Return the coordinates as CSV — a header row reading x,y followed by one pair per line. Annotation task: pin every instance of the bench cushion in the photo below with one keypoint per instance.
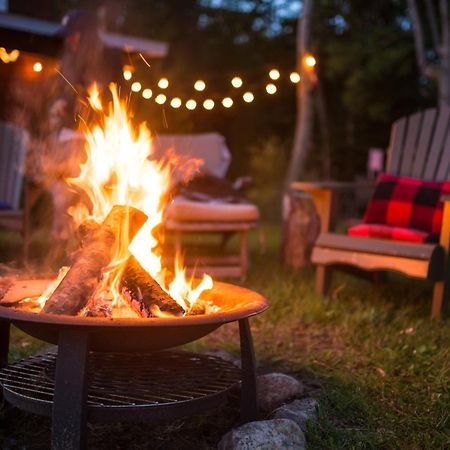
x,y
408,203
389,232
184,210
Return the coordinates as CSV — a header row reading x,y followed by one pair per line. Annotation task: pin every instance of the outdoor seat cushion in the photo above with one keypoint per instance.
x,y
389,232
402,208
183,209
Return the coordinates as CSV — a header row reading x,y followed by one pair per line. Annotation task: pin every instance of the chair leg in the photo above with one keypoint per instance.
x,y
323,279
441,299
244,254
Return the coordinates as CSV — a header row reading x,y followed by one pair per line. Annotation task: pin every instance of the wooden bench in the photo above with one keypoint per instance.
x,y
419,147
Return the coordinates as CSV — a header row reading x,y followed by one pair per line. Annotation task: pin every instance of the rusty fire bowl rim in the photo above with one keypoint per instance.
x,y
245,303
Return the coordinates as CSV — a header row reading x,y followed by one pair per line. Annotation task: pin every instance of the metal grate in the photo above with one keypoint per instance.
x,y
120,380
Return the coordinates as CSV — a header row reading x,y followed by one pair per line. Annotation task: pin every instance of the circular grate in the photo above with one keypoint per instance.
x,y
121,380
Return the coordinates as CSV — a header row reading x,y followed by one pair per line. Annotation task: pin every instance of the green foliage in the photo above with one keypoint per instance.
x,y
268,163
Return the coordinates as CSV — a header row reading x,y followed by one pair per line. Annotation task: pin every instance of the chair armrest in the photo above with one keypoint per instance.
x,y
324,195
444,239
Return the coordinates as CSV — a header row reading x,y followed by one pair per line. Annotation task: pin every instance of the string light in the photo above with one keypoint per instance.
x,y
147,93
175,103
160,99
274,74
248,97
136,86
310,61
294,77
199,85
37,67
236,82
271,88
163,83
208,104
191,104
227,102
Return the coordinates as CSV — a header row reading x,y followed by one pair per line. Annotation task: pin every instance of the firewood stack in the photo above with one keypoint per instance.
x,y
99,242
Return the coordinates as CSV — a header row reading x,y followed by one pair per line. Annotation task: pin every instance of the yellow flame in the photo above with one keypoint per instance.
x,y
94,97
119,171
52,286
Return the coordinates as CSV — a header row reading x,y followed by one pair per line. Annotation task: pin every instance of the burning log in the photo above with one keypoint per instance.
x,y
96,253
145,295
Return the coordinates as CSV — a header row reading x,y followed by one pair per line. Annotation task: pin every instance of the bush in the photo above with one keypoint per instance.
x,y
268,165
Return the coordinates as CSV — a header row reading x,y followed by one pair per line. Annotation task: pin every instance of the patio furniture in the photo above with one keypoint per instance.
x,y
13,149
205,215
419,148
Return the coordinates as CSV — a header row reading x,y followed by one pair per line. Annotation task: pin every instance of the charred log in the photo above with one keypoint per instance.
x,y
98,248
145,294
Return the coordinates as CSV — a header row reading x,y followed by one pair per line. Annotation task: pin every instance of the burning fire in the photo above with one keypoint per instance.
x,y
119,170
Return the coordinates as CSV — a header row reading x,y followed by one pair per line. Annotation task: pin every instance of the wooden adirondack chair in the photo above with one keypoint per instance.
x,y
13,148
419,147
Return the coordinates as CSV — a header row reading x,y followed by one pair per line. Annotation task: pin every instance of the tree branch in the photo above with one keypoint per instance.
x,y
433,24
425,67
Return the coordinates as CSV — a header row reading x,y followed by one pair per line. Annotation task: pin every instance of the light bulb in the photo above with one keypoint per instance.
x,y
227,102
163,83
191,104
37,67
160,99
294,77
175,102
271,88
274,74
208,104
236,82
136,86
147,93
248,97
199,85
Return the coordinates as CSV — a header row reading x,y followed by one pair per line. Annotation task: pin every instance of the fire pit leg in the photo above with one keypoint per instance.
x,y
4,342
249,399
69,403
4,347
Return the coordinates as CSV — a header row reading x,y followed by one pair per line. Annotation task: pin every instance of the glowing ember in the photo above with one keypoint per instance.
x,y
119,170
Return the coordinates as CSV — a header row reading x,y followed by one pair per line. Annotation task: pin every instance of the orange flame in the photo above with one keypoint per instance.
x,y
94,97
119,171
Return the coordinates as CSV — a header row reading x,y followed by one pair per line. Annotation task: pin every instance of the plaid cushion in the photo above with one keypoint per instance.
x,y
408,203
388,232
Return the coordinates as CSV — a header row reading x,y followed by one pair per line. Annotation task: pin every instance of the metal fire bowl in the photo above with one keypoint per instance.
x,y
143,334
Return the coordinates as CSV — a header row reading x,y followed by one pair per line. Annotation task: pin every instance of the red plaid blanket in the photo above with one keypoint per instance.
x,y
405,209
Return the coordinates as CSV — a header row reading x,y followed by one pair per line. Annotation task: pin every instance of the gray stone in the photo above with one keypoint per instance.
x,y
300,411
265,435
275,388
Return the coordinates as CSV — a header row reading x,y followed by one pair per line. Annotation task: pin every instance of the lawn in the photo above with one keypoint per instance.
x,y
378,366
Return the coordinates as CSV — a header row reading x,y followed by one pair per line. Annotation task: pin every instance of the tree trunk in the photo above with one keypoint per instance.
x,y
304,120
301,226
439,72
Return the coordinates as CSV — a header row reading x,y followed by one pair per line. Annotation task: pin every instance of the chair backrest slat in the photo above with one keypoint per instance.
x,y
443,173
396,145
13,148
423,145
420,145
437,145
410,145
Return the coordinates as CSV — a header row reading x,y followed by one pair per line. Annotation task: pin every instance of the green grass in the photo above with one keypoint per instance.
x,y
378,366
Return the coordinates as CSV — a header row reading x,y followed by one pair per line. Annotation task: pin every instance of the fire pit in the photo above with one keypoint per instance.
x,y
115,310
92,378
